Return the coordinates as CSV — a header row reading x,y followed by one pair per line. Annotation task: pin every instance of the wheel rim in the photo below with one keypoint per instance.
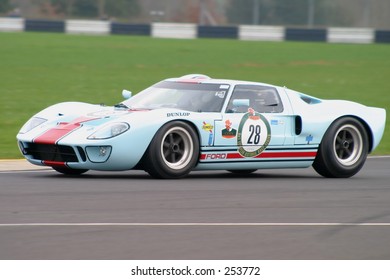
x,y
348,145
177,148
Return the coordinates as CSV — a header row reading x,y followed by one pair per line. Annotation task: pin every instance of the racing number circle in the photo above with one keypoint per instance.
x,y
254,134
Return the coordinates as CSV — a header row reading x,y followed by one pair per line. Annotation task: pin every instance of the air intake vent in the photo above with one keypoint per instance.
x,y
58,153
298,125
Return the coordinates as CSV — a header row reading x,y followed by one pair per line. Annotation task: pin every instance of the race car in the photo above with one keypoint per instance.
x,y
195,122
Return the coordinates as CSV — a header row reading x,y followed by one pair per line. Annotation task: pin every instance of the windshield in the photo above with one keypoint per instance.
x,y
185,96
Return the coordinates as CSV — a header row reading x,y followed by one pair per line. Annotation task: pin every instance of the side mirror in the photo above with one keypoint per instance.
x,y
240,102
126,94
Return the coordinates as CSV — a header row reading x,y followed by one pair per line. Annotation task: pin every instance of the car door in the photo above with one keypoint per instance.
x,y
254,120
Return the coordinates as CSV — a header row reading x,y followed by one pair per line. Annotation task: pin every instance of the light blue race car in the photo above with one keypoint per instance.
x,y
198,123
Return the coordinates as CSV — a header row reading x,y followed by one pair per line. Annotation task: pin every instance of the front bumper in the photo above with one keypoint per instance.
x,y
95,157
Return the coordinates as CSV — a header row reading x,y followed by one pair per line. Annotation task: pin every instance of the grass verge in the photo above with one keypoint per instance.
x,y
41,69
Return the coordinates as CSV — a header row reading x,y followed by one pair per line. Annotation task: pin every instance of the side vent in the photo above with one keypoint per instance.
x,y
310,100
298,125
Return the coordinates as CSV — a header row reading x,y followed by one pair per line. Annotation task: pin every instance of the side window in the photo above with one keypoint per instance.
x,y
262,99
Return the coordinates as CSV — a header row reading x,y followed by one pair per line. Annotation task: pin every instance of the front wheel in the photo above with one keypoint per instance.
x,y
173,152
343,150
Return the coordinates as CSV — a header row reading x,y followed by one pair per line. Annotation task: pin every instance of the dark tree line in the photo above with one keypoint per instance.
x,y
283,12
4,6
96,8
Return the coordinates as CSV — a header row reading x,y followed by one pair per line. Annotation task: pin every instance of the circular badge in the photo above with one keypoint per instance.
x,y
254,134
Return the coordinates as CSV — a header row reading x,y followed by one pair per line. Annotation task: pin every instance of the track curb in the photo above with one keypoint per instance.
x,y
19,165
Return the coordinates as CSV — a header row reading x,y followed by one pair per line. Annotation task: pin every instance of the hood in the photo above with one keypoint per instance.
x,y
65,118
78,112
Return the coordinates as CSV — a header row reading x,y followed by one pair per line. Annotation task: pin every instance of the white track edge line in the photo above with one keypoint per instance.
x,y
191,224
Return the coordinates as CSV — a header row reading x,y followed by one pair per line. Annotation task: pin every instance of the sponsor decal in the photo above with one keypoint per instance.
x,y
228,131
214,156
309,138
277,122
252,114
220,94
254,134
178,114
208,127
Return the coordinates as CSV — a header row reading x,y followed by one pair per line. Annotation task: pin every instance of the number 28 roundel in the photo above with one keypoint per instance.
x,y
254,134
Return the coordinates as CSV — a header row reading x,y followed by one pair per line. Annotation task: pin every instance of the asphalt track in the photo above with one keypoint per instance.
x,y
271,215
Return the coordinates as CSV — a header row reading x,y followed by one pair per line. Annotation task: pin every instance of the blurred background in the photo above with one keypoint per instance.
x,y
41,66
301,13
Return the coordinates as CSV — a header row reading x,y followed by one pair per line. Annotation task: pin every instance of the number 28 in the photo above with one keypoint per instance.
x,y
254,137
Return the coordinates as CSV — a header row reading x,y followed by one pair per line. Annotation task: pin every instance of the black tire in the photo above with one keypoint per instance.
x,y
173,152
69,171
243,171
343,150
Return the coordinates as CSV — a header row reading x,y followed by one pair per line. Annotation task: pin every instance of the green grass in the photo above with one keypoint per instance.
x,y
40,69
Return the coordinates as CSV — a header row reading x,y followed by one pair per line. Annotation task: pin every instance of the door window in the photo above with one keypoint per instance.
x,y
262,99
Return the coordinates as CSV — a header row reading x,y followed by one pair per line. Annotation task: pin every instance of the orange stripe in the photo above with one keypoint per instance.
x,y
52,136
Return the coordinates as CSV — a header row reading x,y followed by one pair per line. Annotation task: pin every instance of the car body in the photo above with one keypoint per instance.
x,y
198,123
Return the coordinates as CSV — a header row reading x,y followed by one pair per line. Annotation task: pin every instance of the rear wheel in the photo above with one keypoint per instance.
x,y
173,152
343,150
69,171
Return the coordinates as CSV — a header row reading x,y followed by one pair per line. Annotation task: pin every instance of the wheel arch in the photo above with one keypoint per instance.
x,y
196,129
369,133
140,164
190,123
365,125
328,162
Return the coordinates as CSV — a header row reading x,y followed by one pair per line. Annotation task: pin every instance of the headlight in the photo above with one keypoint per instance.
x,y
109,131
32,123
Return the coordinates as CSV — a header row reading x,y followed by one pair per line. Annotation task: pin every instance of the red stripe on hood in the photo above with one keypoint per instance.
x,y
52,136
